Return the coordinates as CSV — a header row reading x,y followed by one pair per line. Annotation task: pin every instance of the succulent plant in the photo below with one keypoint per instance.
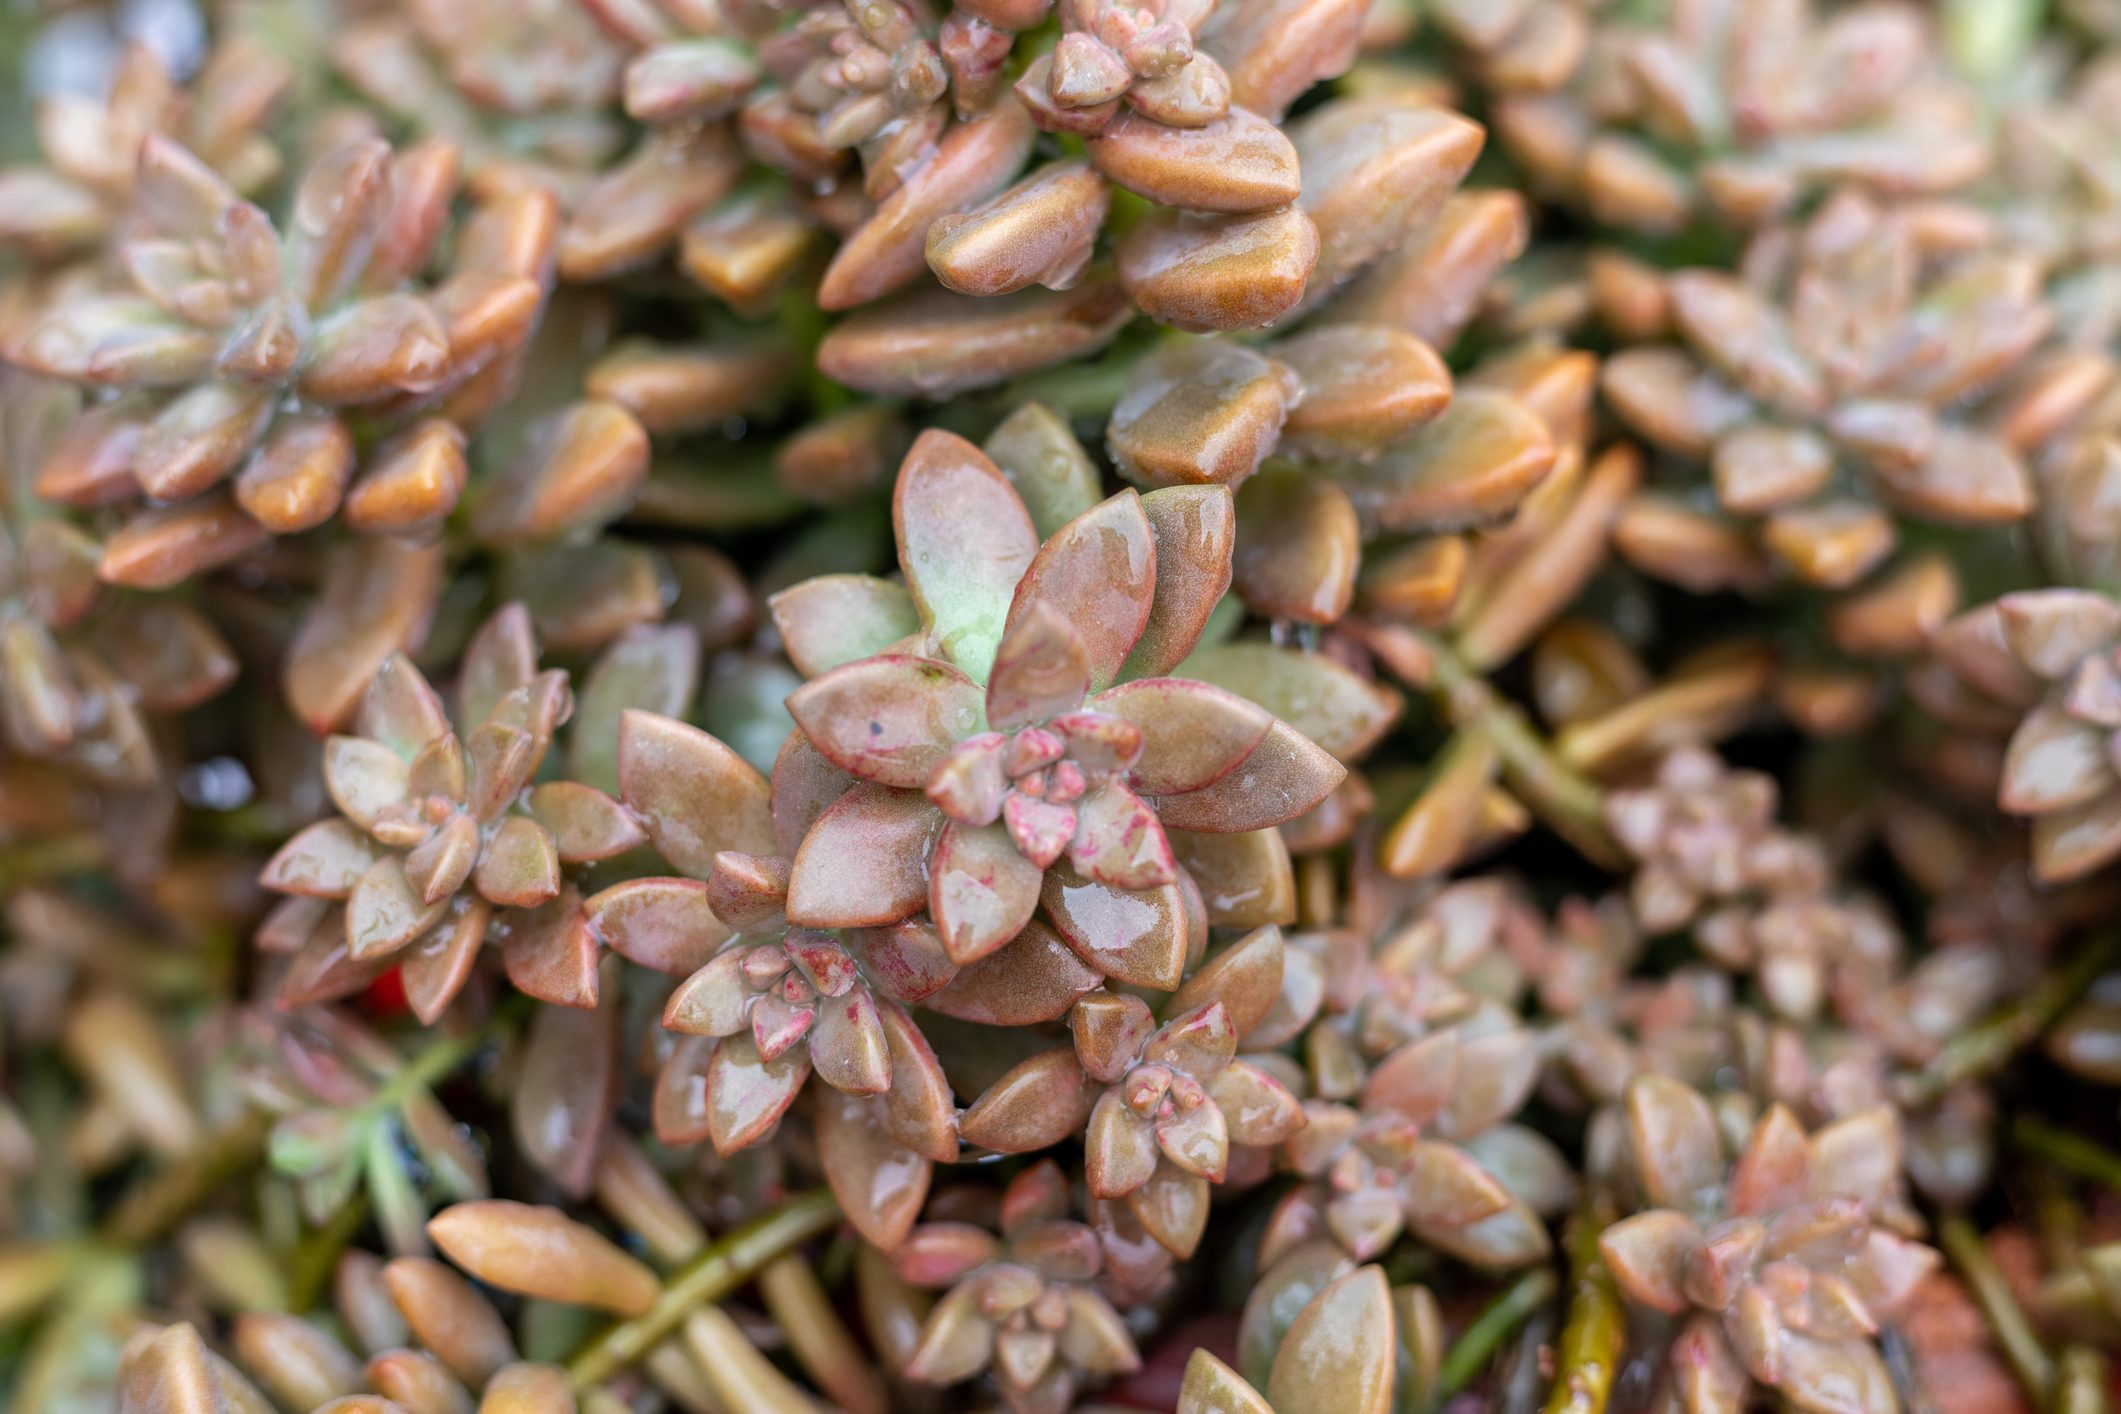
x,y
1771,108
82,671
2040,654
1024,1303
1826,360
1013,756
84,195
781,1002
444,841
1784,1263
241,354
1177,1099
1205,741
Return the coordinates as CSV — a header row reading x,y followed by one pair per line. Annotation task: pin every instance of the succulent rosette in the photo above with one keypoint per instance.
x,y
1415,1083
2045,655
1022,1303
1756,896
446,840
778,1003
1027,750
242,358
83,194
1178,1098
1768,109
1827,384
1783,1260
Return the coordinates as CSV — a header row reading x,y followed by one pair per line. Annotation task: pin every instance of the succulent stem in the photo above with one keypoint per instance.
x,y
1594,1338
2073,1152
444,1054
2082,1388
1476,1348
819,1338
164,1198
40,861
716,1272
316,1256
2007,1321
1983,1050
1568,801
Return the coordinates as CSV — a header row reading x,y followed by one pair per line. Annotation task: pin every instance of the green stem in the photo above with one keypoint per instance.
x,y
1595,1336
1983,1050
2082,1386
316,1256
2007,1321
43,860
1475,1349
1570,802
165,1198
2071,1152
721,1269
443,1055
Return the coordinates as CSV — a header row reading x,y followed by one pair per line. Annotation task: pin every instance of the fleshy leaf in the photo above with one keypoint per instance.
x,y
1098,573
1137,938
1032,978
746,1096
661,923
1341,712
964,540
1193,734
865,862
1339,1353
694,795
1041,669
890,719
880,1184
1037,1104
981,890
836,619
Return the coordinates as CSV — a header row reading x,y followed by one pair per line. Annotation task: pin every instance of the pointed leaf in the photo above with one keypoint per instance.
x,y
1341,712
1287,776
964,540
981,890
1211,1387
324,861
879,1183
1037,1104
1193,734
1339,1353
922,1111
746,1096
664,924
694,795
1195,528
865,862
1041,669
585,823
1139,938
890,719
1246,880
847,1044
1119,1148
836,619
383,913
1032,978
1098,573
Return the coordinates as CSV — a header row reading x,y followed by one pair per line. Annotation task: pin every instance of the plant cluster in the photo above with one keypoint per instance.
x,y
1023,706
